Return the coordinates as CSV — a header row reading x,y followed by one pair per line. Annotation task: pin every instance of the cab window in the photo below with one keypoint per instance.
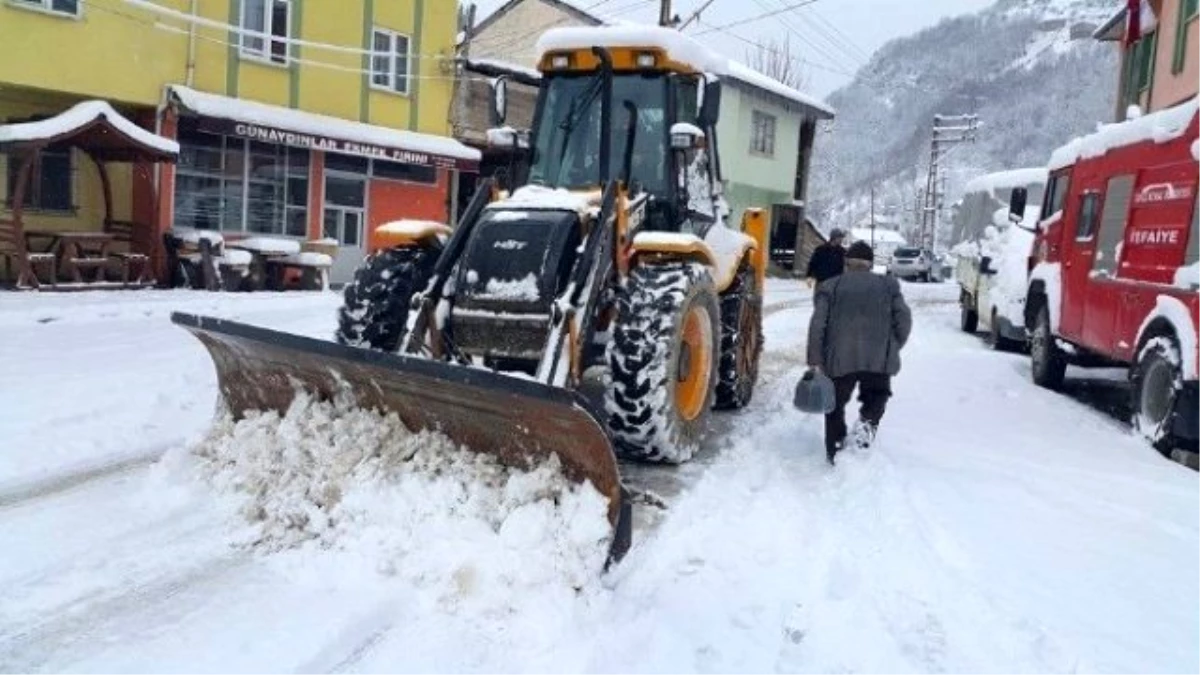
x,y
1089,215
1056,195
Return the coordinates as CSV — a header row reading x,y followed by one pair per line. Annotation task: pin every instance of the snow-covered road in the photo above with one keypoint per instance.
x,y
994,527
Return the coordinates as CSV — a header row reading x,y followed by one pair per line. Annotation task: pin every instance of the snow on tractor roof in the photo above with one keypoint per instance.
x,y
1006,180
679,46
1161,126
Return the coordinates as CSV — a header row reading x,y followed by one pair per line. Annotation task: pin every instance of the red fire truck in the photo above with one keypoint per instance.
x,y
1114,273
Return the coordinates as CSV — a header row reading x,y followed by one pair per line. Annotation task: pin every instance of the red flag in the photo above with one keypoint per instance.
x,y
1133,14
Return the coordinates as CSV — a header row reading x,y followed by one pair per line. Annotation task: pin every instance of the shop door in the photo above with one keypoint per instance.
x,y
344,220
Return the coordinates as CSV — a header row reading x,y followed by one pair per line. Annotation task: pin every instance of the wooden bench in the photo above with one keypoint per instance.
x,y
124,231
14,247
314,269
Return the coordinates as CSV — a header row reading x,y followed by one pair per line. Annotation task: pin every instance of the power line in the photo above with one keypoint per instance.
x,y
225,44
827,37
760,17
792,29
772,50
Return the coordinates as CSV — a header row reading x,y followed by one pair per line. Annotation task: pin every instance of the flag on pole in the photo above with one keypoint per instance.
x,y
1133,16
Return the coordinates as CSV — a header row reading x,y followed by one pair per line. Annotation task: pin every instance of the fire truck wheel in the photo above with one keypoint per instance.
x,y
1156,376
1047,361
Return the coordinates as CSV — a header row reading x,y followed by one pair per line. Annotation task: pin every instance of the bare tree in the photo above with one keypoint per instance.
x,y
774,58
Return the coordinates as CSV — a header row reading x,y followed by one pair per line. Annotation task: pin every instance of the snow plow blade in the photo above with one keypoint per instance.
x,y
520,422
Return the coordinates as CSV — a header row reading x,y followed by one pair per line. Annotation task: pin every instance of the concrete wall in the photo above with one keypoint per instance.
x,y
513,36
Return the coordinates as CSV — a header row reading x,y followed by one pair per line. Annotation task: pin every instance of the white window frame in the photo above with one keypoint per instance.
x,y
760,122
47,7
267,35
393,76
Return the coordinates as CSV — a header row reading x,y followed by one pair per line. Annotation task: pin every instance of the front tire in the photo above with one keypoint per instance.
x,y
663,362
1047,362
1156,377
374,314
741,341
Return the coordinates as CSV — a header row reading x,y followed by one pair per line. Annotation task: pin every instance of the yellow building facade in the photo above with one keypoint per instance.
x,y
364,85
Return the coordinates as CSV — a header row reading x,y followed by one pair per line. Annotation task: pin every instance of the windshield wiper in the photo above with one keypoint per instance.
x,y
576,112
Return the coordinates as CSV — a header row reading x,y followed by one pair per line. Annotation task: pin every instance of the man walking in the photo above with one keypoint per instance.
x,y
828,259
859,324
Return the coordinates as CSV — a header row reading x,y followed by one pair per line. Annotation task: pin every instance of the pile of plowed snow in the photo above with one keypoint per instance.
x,y
343,478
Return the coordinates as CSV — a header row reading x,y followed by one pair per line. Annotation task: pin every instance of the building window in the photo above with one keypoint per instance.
x,y
232,184
66,7
50,187
1187,13
1139,67
389,61
265,26
762,133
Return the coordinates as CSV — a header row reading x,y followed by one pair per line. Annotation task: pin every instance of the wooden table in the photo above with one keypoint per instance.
x,y
76,250
266,270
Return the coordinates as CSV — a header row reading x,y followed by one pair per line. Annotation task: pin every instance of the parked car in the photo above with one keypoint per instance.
x,y
915,263
1114,275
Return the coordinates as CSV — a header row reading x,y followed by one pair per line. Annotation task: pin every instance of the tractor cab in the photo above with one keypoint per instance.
x,y
631,114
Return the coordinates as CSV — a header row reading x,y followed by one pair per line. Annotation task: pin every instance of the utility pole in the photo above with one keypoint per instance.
x,y
947,130
664,13
872,217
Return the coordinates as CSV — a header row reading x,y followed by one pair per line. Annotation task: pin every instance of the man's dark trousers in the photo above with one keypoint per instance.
x,y
874,389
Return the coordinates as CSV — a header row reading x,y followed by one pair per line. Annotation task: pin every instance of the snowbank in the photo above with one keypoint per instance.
x,y
420,508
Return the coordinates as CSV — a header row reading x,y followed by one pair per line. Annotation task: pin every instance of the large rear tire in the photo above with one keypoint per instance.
x,y
663,362
1047,361
968,320
375,309
1156,378
741,341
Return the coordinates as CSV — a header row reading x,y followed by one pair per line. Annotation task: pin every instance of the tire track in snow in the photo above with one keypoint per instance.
x,y
54,485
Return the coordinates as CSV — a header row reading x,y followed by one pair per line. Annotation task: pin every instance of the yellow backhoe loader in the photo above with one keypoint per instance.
x,y
615,254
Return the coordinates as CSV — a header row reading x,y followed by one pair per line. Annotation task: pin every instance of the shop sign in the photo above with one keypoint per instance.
x,y
266,134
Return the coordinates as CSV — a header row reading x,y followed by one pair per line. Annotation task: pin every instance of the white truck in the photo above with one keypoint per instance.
x,y
993,256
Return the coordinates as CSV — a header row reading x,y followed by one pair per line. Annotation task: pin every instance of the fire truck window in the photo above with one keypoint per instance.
x,y
1089,209
1056,195
1112,222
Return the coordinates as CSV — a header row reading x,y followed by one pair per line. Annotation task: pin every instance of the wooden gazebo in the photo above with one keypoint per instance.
x,y
105,136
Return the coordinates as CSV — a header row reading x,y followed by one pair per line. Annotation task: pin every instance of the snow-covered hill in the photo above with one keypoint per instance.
x,y
1029,68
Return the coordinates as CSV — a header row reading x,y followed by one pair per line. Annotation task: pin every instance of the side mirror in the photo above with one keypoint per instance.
x,y
499,111
1016,204
708,101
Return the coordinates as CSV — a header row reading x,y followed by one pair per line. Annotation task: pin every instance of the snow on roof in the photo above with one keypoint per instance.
x,y
78,116
1161,126
681,48
747,75
504,67
214,105
1006,180
882,236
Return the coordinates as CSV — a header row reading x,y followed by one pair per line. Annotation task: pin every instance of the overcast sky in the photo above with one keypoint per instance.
x,y
833,37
